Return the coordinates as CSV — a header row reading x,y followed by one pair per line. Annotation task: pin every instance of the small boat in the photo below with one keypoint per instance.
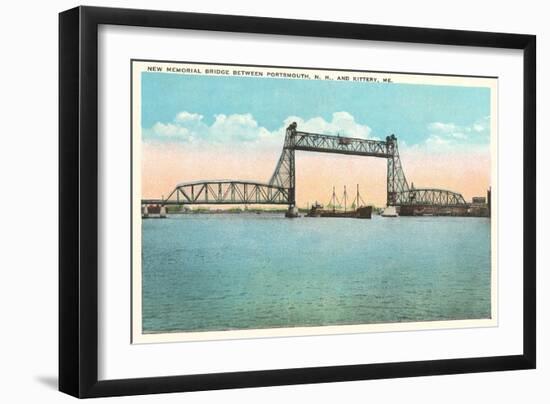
x,y
390,211
315,210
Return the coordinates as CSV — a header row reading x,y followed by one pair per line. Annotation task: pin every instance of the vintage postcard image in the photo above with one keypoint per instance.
x,y
286,201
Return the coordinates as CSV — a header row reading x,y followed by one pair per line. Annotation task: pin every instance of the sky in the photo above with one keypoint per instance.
x,y
220,127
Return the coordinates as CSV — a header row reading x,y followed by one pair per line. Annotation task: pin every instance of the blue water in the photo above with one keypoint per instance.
x,y
248,271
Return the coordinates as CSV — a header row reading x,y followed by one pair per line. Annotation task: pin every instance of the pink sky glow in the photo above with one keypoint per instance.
x,y
166,164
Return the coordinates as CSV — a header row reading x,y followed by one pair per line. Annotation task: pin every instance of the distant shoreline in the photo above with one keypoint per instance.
x,y
228,211
235,211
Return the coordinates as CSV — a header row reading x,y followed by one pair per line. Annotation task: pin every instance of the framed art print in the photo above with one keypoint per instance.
x,y
224,264
249,201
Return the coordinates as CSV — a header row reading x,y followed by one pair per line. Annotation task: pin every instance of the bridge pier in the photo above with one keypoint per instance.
x,y
292,212
153,211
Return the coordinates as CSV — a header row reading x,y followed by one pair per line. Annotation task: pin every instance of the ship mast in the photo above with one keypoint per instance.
x,y
345,199
333,198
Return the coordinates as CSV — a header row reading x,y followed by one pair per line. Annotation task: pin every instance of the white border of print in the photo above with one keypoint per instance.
x,y
118,358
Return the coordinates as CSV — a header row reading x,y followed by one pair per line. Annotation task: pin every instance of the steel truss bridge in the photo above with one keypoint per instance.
x,y
281,187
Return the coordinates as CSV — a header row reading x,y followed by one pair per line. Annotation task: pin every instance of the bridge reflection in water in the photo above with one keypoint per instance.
x,y
281,188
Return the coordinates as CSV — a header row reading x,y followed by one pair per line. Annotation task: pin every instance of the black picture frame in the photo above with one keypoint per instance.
x,y
78,200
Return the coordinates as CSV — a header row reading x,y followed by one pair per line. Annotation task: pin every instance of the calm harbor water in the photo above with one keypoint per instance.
x,y
248,271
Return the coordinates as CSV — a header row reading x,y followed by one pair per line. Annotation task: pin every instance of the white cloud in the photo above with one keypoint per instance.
x,y
450,130
447,133
243,128
478,127
170,130
185,116
237,127
342,123
442,127
435,140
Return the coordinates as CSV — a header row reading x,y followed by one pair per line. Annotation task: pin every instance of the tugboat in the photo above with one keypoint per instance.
x,y
315,210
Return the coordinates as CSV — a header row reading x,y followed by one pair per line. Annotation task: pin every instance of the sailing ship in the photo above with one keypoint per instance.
x,y
359,209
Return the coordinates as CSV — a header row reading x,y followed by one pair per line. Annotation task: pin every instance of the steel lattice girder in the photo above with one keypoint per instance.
x,y
430,197
339,144
221,192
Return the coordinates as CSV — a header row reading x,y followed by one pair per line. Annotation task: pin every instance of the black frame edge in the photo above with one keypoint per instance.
x,y
78,203
281,377
69,78
88,202
530,201
307,28
78,166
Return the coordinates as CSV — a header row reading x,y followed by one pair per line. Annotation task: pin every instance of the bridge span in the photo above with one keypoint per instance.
x,y
281,187
223,192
